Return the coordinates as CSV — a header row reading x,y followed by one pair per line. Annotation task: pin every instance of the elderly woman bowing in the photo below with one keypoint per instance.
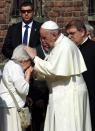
x,y
16,75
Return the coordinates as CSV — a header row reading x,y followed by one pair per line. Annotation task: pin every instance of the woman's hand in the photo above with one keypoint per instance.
x,y
28,73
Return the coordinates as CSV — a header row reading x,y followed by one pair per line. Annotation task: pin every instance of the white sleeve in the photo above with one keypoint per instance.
x,y
64,60
22,86
17,76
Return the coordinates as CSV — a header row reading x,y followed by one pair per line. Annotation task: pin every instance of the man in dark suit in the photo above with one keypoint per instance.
x,y
15,32
15,37
76,31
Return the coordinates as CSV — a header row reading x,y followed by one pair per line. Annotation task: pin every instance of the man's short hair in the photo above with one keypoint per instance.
x,y
78,24
27,3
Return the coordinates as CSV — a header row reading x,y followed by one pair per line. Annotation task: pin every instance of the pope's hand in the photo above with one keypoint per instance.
x,y
31,51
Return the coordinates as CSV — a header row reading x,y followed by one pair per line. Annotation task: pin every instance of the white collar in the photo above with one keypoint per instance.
x,y
30,24
84,40
59,39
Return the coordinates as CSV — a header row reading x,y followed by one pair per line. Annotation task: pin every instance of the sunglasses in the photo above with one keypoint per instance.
x,y
24,11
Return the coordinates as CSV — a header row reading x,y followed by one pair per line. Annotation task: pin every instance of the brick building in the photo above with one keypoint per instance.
x,y
61,11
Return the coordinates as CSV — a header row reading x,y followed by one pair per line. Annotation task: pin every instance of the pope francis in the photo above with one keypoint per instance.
x,y
68,106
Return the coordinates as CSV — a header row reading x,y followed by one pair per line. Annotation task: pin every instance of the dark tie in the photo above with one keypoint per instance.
x,y
25,35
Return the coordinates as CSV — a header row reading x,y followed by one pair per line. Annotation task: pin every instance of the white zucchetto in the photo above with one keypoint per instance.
x,y
50,25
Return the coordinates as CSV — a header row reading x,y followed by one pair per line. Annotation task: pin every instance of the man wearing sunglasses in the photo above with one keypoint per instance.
x,y
15,37
15,32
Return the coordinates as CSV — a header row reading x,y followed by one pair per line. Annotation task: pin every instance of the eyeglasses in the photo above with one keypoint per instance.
x,y
71,33
24,11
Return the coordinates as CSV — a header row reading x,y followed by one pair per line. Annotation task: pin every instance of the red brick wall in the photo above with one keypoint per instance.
x,y
61,11
4,19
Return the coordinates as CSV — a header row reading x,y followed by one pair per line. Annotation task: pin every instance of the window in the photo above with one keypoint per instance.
x,y
15,10
91,7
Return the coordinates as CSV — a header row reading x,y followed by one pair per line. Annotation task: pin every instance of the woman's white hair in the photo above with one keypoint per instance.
x,y
20,54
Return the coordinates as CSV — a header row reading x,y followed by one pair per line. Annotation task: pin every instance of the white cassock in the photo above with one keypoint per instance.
x,y
68,107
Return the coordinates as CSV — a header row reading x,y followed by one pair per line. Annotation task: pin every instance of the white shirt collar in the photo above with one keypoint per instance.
x,y
30,24
84,40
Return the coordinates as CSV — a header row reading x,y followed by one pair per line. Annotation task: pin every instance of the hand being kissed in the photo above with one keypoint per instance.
x,y
28,73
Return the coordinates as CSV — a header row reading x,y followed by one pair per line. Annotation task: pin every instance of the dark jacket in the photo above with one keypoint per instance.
x,y
14,38
88,51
